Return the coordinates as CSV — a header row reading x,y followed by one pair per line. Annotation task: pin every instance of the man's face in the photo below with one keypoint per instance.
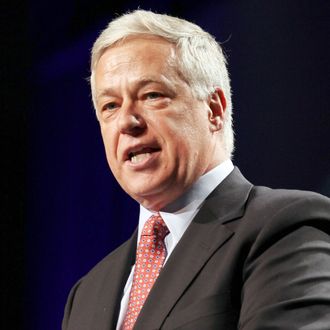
x,y
159,139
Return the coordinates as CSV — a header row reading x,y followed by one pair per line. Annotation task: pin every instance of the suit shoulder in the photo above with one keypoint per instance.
x,y
102,268
274,213
285,195
109,260
87,288
271,213
87,296
271,201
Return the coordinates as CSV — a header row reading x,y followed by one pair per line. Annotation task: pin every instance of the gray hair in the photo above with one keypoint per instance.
x,y
201,60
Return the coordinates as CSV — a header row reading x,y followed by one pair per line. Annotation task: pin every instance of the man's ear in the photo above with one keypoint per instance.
x,y
217,106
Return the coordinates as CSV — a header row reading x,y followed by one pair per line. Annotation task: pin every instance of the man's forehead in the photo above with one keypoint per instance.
x,y
140,47
137,62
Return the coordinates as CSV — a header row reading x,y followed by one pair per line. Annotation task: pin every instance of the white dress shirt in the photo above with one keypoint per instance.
x,y
177,217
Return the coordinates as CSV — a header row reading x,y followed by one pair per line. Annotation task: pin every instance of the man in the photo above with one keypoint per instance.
x,y
211,250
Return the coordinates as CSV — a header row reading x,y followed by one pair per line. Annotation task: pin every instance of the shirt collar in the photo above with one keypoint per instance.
x,y
180,213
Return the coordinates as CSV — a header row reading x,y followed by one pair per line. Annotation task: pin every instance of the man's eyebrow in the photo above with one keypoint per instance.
x,y
144,81
139,83
105,92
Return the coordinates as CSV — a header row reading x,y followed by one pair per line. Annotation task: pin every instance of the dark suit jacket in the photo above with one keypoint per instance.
x,y
253,258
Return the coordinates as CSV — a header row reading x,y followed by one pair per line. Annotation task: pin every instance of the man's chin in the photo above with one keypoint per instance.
x,y
151,199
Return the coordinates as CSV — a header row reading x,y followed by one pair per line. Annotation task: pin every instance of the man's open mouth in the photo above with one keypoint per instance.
x,y
140,155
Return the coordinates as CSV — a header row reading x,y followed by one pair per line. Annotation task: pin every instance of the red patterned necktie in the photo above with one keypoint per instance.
x,y
150,256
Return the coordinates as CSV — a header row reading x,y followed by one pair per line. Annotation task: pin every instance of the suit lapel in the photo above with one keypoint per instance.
x,y
107,310
204,236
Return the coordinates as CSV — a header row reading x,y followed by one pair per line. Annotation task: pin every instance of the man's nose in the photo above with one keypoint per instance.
x,y
131,120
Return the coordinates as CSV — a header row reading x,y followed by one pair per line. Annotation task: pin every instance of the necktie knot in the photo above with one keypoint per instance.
x,y
155,226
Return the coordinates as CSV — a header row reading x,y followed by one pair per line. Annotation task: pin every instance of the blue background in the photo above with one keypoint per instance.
x,y
62,209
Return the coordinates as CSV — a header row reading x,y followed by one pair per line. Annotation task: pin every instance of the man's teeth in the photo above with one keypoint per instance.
x,y
140,157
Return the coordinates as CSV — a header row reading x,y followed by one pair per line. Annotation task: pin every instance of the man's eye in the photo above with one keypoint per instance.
x,y
110,106
153,95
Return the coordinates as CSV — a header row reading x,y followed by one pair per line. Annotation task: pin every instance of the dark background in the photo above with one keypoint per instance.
x,y
61,210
